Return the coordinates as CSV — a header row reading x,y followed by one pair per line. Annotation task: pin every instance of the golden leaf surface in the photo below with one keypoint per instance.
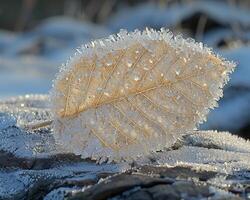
x,y
134,93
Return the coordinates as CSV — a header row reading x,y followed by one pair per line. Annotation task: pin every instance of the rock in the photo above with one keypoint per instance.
x,y
119,184
132,186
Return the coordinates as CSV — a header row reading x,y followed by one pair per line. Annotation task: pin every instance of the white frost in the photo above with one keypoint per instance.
x,y
6,121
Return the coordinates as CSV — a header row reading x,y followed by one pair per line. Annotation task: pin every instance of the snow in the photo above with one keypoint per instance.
x,y
31,59
213,37
232,113
241,57
25,74
10,186
69,28
154,16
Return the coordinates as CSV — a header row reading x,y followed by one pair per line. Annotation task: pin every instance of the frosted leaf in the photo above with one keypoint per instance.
x,y
134,93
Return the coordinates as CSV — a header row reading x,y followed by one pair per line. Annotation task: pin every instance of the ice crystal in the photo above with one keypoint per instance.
x,y
6,121
133,93
218,140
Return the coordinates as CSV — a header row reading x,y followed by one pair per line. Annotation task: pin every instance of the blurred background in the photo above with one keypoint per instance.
x,y
36,36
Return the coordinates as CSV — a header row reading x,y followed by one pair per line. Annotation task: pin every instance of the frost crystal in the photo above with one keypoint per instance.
x,y
6,121
133,93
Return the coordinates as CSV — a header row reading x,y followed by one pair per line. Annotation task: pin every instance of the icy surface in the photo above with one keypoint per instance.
x,y
6,121
27,109
26,144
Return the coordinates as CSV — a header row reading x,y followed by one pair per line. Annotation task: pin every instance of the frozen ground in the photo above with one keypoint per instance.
x,y
214,164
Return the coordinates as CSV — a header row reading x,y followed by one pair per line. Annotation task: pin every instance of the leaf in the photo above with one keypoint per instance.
x,y
134,93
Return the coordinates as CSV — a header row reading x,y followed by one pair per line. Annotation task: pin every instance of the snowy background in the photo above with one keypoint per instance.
x,y
35,42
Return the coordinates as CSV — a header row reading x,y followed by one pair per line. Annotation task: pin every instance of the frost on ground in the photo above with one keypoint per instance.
x,y
6,121
214,164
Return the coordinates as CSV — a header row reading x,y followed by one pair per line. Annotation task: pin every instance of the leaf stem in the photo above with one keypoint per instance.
x,y
39,125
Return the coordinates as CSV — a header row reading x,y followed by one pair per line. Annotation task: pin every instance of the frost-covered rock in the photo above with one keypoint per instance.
x,y
25,144
34,184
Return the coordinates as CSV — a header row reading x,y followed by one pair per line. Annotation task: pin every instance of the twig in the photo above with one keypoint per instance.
x,y
201,27
39,125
